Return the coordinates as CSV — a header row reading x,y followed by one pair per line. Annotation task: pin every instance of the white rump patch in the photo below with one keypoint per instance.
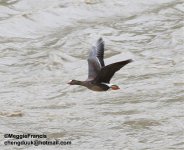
x,y
108,84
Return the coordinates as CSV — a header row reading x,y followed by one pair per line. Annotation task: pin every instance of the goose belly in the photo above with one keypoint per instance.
x,y
99,88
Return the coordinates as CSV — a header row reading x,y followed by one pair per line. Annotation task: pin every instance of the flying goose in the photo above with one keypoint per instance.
x,y
99,75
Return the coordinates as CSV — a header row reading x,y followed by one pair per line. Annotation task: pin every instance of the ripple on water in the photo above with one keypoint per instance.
x,y
12,114
141,123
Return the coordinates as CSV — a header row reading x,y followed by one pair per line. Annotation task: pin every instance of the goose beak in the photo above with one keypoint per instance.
x,y
69,82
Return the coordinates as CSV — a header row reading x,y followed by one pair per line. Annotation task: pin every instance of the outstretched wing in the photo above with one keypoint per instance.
x,y
107,72
100,51
95,59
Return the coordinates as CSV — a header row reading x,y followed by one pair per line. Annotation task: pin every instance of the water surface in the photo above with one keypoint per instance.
x,y
44,44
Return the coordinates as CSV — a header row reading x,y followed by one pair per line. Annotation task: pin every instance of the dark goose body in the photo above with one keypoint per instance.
x,y
99,75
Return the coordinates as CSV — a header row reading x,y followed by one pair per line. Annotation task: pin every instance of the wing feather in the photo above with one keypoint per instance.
x,y
107,72
95,59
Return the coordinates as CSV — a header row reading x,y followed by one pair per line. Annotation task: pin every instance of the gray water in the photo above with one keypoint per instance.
x,y
44,44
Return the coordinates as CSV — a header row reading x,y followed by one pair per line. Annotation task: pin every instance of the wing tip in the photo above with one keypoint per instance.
x,y
130,60
100,40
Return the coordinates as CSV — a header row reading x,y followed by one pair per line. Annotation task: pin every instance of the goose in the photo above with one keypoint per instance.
x,y
99,75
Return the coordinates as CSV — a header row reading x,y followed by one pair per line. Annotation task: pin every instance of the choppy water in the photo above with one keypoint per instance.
x,y
45,43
